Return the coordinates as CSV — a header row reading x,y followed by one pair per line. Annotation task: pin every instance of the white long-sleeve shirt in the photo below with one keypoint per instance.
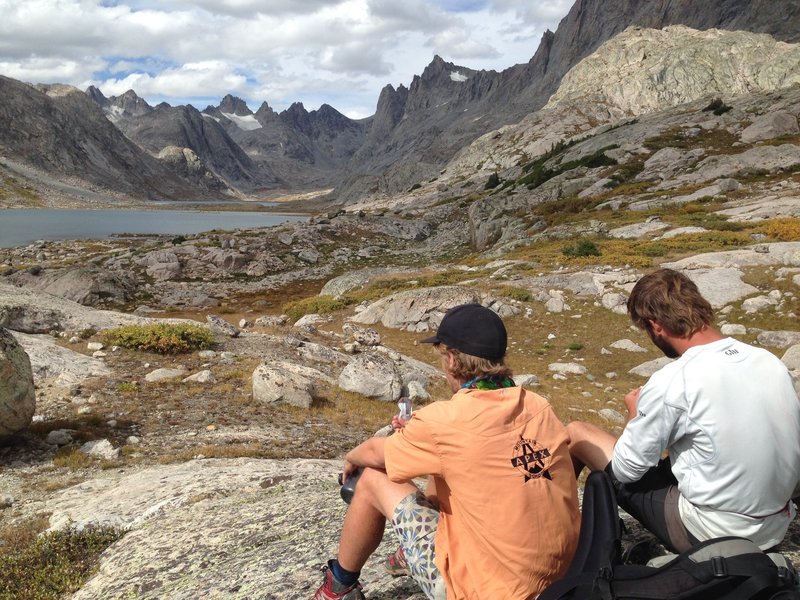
x,y
728,414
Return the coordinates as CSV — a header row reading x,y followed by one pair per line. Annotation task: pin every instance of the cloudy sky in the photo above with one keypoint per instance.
x,y
339,52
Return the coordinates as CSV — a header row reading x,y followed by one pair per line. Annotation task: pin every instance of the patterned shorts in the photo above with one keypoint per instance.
x,y
415,519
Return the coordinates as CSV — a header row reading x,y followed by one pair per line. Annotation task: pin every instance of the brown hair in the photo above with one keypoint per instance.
x,y
468,367
671,299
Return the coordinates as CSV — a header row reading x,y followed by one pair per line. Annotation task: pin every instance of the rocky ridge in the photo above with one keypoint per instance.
x,y
260,422
179,516
59,130
649,69
416,130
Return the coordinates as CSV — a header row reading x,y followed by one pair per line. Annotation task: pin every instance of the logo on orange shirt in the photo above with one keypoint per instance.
x,y
532,459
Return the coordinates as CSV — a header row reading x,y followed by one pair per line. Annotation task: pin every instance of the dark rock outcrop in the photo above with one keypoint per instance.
x,y
86,286
449,106
127,105
186,127
60,130
413,134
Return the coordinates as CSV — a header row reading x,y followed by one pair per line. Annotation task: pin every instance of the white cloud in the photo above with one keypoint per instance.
x,y
244,8
353,58
535,13
412,15
277,51
51,70
459,45
201,79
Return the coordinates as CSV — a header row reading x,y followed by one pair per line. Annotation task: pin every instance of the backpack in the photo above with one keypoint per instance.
x,y
727,568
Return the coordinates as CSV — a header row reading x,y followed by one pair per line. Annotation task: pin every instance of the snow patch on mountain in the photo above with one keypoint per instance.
x,y
245,122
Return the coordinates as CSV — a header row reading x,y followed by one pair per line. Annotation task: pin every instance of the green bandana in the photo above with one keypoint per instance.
x,y
488,382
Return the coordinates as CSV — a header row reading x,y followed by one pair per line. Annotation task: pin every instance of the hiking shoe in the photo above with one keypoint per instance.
x,y
396,564
331,589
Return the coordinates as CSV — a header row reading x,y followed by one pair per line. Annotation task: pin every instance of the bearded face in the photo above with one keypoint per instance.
x,y
662,343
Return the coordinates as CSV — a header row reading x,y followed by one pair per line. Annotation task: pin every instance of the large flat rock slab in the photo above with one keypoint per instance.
x,y
48,359
234,529
779,253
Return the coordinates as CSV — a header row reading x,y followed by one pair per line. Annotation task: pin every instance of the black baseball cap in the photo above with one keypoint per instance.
x,y
472,329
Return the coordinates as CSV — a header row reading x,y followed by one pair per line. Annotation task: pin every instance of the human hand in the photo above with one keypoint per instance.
x,y
347,470
398,423
631,402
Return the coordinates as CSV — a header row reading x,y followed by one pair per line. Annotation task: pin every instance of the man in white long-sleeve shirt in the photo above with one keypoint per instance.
x,y
726,413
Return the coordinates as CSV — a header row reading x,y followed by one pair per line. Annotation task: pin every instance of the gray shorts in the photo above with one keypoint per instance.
x,y
653,501
415,519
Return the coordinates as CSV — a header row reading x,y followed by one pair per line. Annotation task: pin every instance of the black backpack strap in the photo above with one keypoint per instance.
x,y
574,586
728,568
599,545
599,540
735,560
601,589
581,586
761,573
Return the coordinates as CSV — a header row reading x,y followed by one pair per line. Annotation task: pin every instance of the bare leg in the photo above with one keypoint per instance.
x,y
374,501
589,446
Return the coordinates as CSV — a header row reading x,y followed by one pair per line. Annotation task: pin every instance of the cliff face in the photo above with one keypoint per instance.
x,y
417,129
60,130
642,70
229,527
591,22
487,100
186,127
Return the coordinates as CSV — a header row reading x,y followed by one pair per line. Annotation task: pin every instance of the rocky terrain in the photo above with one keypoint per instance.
x,y
221,464
141,152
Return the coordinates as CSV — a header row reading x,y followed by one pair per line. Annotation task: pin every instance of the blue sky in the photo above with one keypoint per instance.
x,y
339,52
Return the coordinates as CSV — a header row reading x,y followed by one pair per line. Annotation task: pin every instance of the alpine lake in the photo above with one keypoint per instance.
x,y
20,227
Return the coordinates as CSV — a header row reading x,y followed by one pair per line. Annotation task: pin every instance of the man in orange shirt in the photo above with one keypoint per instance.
x,y
503,521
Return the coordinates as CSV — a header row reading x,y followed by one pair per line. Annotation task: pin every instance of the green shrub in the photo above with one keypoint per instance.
x,y
163,338
537,173
575,346
314,305
626,172
54,564
515,293
654,249
71,458
537,176
786,229
127,387
723,225
85,334
598,159
582,248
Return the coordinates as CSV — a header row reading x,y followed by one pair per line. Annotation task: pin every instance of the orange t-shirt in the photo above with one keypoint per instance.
x,y
507,495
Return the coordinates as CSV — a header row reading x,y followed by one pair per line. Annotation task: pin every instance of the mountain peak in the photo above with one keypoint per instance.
x,y
440,71
265,112
96,96
296,107
436,67
234,106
